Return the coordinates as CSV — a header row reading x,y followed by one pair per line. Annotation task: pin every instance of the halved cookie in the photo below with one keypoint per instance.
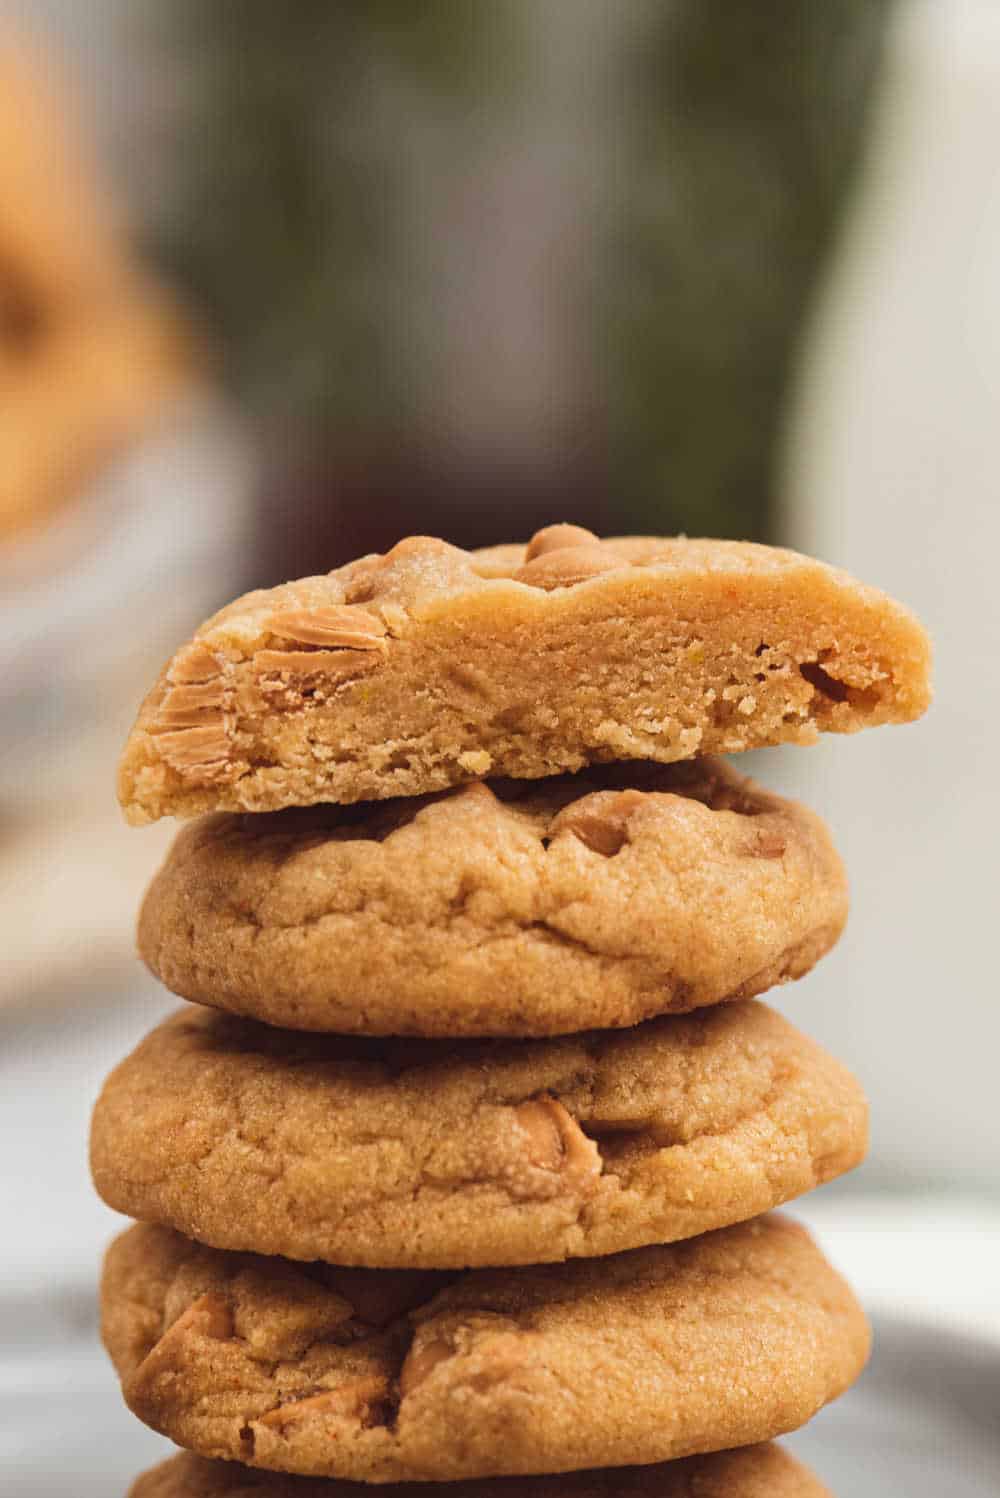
x,y
515,908
405,673
438,1155
727,1340
750,1472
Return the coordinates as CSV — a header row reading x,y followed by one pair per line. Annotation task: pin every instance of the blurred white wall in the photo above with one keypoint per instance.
x,y
893,471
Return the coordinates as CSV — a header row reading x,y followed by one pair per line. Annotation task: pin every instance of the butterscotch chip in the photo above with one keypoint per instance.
x,y
347,627
664,1352
750,1472
513,908
564,567
434,665
557,538
444,1154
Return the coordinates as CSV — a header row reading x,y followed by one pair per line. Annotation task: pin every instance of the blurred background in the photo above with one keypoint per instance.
x,y
280,284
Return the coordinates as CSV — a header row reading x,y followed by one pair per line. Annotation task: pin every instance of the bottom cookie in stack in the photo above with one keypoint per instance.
x,y
750,1472
672,1351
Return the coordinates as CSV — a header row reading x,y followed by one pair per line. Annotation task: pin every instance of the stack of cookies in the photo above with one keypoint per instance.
x,y
458,1172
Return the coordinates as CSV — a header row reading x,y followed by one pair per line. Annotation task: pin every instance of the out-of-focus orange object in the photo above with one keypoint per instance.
x,y
90,352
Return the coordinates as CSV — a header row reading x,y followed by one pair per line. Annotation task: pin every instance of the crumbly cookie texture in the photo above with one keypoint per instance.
x,y
428,666
510,908
751,1472
387,1376
435,1155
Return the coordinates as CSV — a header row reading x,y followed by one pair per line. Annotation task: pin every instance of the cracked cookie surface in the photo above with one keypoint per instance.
x,y
751,1472
406,673
386,1376
444,1155
511,908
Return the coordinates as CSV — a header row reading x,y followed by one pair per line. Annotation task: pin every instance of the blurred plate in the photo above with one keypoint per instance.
x,y
65,1432
924,1420
89,609
148,543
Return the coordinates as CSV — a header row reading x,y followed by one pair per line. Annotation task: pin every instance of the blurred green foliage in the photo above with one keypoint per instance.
x,y
740,125
747,137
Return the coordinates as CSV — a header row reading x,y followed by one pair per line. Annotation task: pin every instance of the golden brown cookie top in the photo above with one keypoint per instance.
x,y
406,1154
750,1472
726,1340
513,908
404,673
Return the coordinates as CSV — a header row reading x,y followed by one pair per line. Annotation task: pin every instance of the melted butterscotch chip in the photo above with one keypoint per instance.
x,y
430,1347
601,821
189,721
769,843
527,661
557,538
564,567
209,1316
354,1399
195,664
558,1144
491,1346
345,628
204,748
540,1123
196,705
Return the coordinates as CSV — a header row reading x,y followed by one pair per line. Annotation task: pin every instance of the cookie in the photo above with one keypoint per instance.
x,y
509,908
59,243
442,1155
664,1352
750,1472
406,673
89,353
89,390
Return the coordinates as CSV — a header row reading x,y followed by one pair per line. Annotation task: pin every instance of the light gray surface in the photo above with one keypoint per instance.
x,y
63,1428
64,1432
52,1063
924,1421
